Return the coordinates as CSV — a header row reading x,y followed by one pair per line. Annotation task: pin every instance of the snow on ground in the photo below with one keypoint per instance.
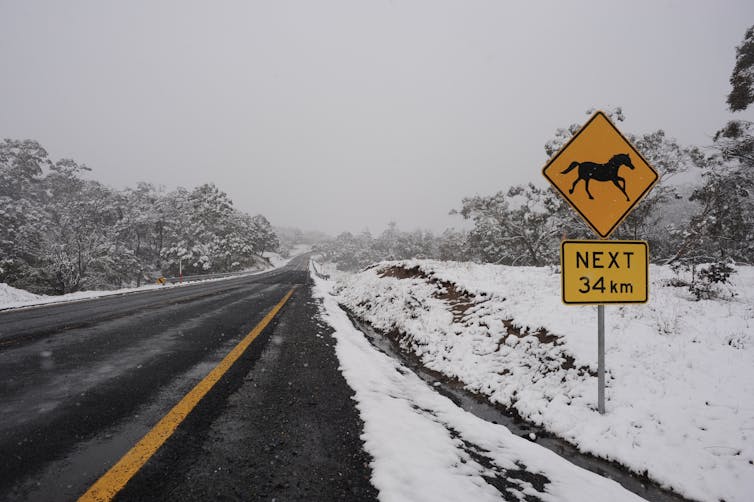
x,y
427,448
16,298
278,261
680,383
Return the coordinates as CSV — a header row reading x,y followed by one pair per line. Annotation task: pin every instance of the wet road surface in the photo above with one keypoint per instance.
x,y
81,383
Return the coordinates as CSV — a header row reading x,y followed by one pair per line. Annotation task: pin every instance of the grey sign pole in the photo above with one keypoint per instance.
x,y
601,359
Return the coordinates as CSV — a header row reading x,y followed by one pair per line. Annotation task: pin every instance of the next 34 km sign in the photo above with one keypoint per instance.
x,y
604,272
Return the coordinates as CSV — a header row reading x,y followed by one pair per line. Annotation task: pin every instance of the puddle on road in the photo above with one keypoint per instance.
x,y
481,408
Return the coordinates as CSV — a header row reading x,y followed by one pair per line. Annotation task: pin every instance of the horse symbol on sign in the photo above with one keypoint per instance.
x,y
601,172
599,204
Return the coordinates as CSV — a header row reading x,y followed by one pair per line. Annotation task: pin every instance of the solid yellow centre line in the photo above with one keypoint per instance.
x,y
116,478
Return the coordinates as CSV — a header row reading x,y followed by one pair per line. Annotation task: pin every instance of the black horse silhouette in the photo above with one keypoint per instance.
x,y
601,172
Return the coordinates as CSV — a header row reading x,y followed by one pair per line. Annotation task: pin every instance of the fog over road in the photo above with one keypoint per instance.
x,y
81,383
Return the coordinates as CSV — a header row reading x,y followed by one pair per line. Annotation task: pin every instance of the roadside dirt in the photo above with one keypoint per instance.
x,y
283,426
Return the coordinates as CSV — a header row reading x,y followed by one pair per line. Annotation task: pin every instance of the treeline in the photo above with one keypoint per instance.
x,y
707,220
352,252
61,233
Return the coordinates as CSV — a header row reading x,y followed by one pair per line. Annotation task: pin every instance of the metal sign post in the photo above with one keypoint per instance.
x,y
603,272
601,359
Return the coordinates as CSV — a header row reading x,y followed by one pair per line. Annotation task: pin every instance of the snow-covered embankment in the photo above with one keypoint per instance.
x,y
680,387
425,448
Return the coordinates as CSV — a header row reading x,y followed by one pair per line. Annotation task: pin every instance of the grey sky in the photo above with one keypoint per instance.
x,y
344,115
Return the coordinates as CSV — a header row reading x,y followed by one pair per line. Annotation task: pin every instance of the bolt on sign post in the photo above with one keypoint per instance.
x,y
603,177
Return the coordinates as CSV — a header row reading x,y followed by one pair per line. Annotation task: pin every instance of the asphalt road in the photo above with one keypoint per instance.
x,y
81,383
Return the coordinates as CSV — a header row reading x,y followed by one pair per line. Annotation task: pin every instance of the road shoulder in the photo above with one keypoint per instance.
x,y
281,425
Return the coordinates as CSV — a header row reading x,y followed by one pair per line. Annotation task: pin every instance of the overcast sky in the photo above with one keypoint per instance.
x,y
345,115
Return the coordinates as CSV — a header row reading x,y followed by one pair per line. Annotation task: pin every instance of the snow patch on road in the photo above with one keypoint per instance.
x,y
427,448
680,381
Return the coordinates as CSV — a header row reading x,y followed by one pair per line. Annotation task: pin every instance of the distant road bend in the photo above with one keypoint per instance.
x,y
220,390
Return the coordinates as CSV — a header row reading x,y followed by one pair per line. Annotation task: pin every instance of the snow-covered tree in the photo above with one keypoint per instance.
x,y
80,242
520,226
654,219
60,232
22,214
141,229
264,237
722,227
353,252
742,78
453,245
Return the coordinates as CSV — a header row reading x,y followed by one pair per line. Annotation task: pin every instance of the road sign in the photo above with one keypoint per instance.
x,y
601,272
600,174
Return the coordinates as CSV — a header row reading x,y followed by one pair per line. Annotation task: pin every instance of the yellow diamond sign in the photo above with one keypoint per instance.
x,y
600,174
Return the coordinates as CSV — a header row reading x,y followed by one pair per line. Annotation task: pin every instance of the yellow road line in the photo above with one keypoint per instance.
x,y
116,478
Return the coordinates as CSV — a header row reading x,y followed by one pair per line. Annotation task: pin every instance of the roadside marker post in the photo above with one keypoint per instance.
x,y
603,177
